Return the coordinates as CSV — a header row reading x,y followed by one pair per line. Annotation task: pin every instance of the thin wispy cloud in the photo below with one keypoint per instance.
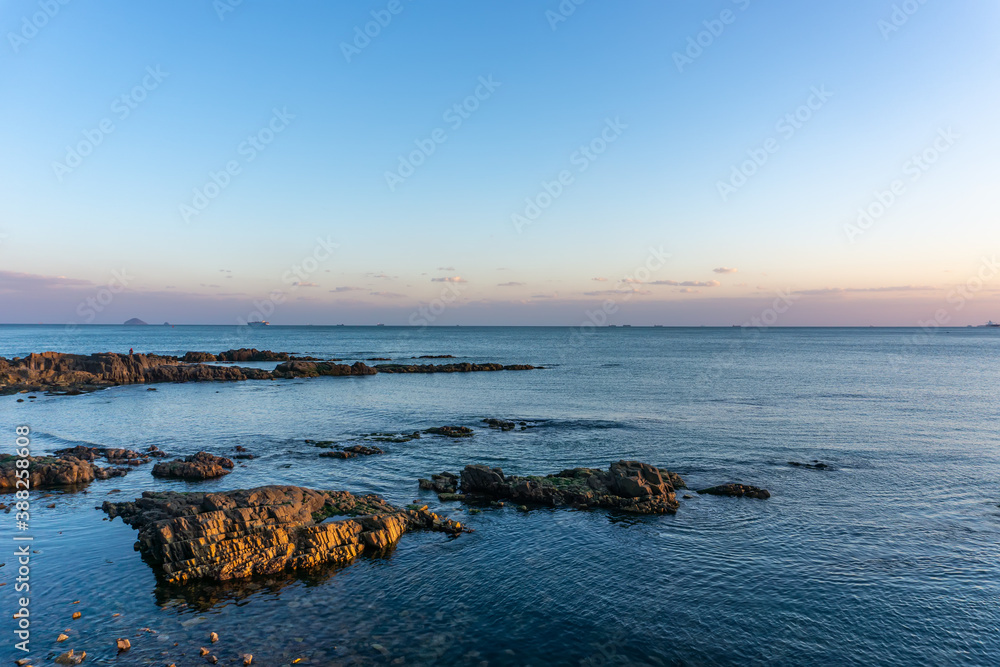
x,y
510,284
687,283
724,269
305,284
854,290
347,288
450,279
13,280
388,295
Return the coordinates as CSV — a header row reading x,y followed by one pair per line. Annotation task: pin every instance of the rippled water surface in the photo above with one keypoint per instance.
x,y
891,557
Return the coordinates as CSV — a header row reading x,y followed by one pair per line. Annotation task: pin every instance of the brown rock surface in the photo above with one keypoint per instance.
x,y
75,372
247,532
299,369
48,471
197,466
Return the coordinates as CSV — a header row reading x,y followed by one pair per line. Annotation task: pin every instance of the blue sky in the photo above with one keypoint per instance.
x,y
221,77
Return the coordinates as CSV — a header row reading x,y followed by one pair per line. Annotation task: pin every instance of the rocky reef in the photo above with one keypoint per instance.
x,y
195,467
311,369
451,368
114,456
247,532
628,486
46,472
353,452
737,491
55,371
451,431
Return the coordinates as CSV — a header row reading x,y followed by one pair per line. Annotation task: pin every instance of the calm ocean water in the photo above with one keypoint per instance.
x,y
892,557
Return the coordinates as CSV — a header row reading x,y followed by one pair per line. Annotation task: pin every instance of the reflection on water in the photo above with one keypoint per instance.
x,y
889,557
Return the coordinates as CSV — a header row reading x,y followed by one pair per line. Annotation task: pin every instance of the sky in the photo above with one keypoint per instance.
x,y
514,162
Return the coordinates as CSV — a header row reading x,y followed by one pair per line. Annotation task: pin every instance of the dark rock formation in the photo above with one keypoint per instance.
x,y
252,354
198,357
434,356
815,465
629,486
136,321
306,369
450,368
451,431
49,472
737,491
197,466
73,373
444,482
501,424
238,534
352,452
113,456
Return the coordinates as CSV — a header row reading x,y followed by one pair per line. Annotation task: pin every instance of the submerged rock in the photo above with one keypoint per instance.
x,y
451,368
815,465
451,431
353,451
737,491
629,486
247,532
197,466
501,424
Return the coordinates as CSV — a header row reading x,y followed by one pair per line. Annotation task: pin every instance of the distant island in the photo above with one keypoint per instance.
x,y
135,320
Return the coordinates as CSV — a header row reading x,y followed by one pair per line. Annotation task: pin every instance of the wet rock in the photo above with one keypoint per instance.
x,y
62,637
252,354
629,486
213,637
450,497
197,466
70,374
71,658
113,455
352,452
124,644
451,368
379,359
198,357
302,369
451,431
444,482
737,491
501,424
815,465
434,356
247,532
47,472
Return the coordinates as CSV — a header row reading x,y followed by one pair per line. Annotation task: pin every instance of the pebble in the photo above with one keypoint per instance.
x,y
124,644
76,615
214,637
203,651
62,637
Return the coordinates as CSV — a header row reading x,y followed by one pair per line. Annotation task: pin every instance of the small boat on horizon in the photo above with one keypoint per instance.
x,y
259,323
990,325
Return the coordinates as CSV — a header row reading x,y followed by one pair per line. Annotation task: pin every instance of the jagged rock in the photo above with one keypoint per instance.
x,y
444,482
298,369
501,424
198,357
197,466
49,472
451,431
247,532
352,452
70,657
451,368
630,486
737,491
113,456
74,373
434,356
252,354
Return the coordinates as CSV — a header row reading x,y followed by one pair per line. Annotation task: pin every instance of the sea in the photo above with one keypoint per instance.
x,y
888,556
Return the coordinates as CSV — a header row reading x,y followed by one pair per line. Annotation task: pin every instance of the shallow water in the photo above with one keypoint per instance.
x,y
892,557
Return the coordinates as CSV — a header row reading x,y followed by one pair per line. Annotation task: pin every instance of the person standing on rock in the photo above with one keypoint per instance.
x,y
130,352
